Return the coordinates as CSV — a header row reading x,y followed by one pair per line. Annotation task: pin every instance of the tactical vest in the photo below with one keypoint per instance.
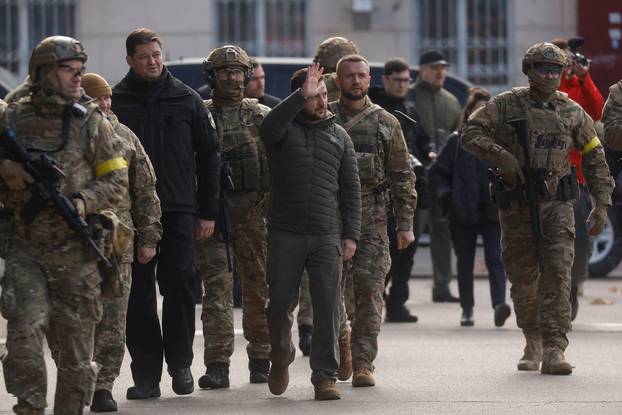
x,y
550,137
369,133
40,129
240,145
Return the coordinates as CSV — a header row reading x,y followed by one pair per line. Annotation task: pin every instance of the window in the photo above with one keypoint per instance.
x,y
25,23
263,27
472,33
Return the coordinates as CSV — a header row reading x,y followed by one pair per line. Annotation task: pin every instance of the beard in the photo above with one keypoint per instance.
x,y
312,116
355,97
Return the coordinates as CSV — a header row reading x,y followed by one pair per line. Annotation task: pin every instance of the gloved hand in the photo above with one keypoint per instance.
x,y
596,220
14,175
80,206
509,168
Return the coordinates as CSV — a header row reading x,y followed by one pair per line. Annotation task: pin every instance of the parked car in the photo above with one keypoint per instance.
x,y
279,71
607,247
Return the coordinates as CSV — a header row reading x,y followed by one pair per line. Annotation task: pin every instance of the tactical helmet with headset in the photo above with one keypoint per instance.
x,y
53,50
228,55
543,53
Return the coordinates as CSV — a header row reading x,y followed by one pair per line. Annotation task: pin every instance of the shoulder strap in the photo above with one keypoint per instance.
x,y
358,117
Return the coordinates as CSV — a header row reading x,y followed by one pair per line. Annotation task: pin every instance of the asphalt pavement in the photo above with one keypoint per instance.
x,y
430,367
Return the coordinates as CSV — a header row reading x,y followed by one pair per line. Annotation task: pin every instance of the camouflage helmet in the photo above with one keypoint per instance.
x,y
332,49
543,53
228,55
52,50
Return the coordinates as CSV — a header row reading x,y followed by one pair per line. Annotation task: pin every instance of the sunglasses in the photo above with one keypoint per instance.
x,y
548,69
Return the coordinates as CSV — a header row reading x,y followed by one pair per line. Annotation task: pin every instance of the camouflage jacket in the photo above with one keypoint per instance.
x,y
382,157
555,129
141,209
330,79
94,169
612,117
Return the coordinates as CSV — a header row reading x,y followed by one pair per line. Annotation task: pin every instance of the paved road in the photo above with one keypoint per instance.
x,y
431,367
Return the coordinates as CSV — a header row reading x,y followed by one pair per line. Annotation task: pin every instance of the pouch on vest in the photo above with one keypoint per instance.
x,y
114,238
245,170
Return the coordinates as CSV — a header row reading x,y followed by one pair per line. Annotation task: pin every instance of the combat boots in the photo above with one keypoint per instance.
x,y
103,401
216,376
554,362
362,378
532,354
259,369
23,408
345,357
278,379
325,390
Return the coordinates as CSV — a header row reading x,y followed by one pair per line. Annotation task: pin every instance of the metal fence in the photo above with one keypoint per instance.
x,y
23,23
472,33
263,27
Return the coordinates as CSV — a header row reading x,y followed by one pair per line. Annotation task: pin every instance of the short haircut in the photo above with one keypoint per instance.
x,y
140,36
351,58
298,78
395,65
254,63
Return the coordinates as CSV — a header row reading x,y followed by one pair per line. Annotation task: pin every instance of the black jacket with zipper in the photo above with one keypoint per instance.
x,y
173,126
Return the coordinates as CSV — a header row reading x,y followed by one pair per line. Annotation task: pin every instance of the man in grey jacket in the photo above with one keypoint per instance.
x,y
314,222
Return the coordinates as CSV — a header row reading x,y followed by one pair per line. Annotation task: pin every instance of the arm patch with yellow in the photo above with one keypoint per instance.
x,y
109,166
591,145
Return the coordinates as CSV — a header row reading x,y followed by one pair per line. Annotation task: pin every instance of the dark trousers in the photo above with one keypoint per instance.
x,y
401,266
288,254
582,241
464,239
146,341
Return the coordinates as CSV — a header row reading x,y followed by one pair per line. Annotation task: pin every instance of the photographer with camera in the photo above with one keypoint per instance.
x,y
578,84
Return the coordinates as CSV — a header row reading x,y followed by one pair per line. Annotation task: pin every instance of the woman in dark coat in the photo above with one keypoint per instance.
x,y
460,181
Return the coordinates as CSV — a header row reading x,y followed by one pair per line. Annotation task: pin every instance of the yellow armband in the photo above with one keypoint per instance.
x,y
593,143
111,165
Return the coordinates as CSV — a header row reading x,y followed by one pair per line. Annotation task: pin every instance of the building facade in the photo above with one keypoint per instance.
x,y
483,39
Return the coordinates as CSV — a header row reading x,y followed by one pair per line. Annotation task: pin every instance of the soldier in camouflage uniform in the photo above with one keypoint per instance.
x,y
612,117
51,275
227,70
22,90
139,210
327,55
384,164
541,280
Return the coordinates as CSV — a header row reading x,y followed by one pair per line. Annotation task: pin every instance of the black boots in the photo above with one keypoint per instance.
x,y
467,317
183,382
216,376
502,312
400,315
143,391
103,402
259,369
304,334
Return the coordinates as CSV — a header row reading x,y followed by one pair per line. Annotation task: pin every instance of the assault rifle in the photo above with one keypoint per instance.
x,y
223,222
45,190
535,185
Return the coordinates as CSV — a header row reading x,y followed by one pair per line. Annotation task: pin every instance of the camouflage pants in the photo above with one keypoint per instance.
x,y
540,290
368,268
249,252
110,334
50,284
